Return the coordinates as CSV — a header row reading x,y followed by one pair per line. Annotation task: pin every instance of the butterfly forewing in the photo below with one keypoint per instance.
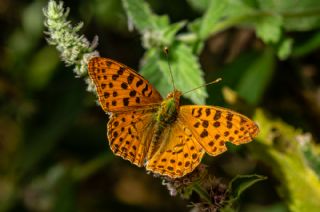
x,y
120,88
214,126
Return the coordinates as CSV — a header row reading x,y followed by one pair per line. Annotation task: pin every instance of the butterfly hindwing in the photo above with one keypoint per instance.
x,y
179,152
120,88
130,133
214,126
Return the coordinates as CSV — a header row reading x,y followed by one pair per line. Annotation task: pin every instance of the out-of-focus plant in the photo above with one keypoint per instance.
x,y
157,33
294,159
34,120
74,49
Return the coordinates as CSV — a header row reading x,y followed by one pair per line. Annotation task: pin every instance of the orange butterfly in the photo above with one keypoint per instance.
x,y
167,138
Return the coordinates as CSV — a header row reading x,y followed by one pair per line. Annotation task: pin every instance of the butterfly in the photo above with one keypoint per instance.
x,y
166,138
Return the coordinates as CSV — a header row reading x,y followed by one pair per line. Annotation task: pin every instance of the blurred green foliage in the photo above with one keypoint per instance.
x,y
53,150
281,147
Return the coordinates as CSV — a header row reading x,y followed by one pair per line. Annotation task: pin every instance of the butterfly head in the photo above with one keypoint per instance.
x,y
175,95
173,99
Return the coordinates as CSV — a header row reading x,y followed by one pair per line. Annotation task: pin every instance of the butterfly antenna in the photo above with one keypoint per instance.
x,y
166,51
209,83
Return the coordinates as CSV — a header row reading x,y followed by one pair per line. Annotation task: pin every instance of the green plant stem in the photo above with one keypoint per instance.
x,y
306,13
86,170
201,192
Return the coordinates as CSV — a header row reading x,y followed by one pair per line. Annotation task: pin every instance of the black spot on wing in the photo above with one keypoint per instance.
x,y
145,89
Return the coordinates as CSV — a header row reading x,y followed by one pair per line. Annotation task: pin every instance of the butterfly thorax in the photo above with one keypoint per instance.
x,y
168,111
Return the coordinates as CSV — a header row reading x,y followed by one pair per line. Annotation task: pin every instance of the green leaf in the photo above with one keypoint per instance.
x,y
297,15
195,25
240,8
150,70
168,35
241,183
285,48
214,13
140,14
161,21
107,13
41,69
185,70
156,30
32,20
192,38
255,80
161,37
219,16
308,45
199,5
268,28
278,146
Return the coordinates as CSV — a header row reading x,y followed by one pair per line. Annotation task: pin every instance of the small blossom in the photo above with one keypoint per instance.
x,y
182,185
304,139
75,49
212,192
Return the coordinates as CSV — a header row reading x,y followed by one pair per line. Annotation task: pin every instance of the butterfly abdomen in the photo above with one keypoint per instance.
x,y
166,115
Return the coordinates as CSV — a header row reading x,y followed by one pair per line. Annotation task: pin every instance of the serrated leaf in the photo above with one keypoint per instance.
x,y
219,16
156,30
241,183
195,42
254,81
170,31
194,26
185,70
151,71
268,28
162,22
140,14
214,13
285,48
